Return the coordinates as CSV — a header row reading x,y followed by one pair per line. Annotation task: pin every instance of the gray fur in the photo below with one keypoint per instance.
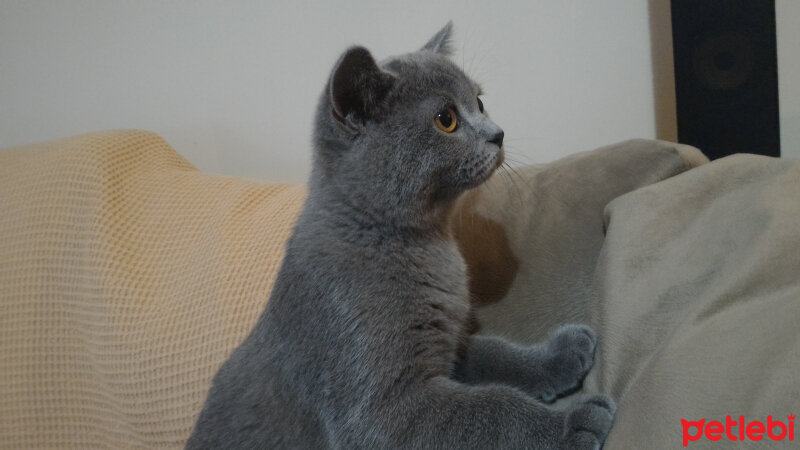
x,y
362,343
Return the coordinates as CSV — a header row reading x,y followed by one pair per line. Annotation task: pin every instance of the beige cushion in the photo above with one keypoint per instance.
x,y
552,215
692,280
698,300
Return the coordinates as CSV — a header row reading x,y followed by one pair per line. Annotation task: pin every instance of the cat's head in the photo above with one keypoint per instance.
x,y
400,139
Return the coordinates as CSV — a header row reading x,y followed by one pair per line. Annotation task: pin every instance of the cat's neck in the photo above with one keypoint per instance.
x,y
328,209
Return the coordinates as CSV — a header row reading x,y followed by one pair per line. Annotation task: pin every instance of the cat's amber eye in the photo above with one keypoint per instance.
x,y
446,120
480,104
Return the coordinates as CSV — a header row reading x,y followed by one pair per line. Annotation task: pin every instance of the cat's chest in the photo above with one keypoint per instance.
x,y
447,269
438,273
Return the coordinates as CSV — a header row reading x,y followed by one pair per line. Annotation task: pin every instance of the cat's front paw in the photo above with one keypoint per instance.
x,y
570,356
588,423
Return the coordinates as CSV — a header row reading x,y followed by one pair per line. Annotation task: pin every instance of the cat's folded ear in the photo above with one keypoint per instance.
x,y
440,42
357,86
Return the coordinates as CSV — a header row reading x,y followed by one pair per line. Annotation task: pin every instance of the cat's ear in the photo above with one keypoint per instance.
x,y
357,86
440,42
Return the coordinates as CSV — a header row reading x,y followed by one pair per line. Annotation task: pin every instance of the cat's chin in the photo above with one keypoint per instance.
x,y
489,169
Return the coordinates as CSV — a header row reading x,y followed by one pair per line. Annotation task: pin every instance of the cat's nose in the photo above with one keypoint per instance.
x,y
497,138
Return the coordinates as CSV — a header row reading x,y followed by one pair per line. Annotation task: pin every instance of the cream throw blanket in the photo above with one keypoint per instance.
x,y
127,277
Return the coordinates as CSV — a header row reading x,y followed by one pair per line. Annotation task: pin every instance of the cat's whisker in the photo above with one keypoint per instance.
x,y
517,174
513,160
463,52
511,172
490,186
520,138
512,154
503,173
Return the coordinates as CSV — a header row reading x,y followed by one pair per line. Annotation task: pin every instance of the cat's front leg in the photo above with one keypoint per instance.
x,y
566,357
545,371
447,414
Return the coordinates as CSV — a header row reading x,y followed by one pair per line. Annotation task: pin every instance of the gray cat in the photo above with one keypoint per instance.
x,y
363,341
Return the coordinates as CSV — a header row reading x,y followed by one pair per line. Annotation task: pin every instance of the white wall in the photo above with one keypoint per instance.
x,y
232,85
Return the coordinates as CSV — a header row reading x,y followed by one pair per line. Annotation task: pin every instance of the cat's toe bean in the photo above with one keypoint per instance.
x,y
583,440
589,422
547,395
576,334
568,356
577,343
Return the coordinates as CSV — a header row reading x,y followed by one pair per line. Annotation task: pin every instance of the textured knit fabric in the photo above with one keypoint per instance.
x,y
126,278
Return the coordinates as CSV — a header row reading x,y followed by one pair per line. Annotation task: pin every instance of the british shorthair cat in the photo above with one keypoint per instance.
x,y
363,343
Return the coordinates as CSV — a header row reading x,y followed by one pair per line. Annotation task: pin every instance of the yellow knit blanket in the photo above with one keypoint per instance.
x,y
114,248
